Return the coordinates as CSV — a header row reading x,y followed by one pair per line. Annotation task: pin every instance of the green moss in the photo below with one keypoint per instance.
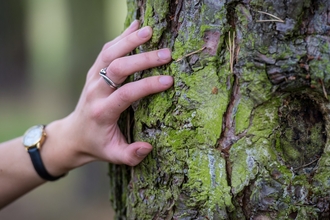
x,y
320,66
243,114
131,13
155,16
258,3
178,139
161,8
243,15
248,158
254,151
265,118
156,110
148,14
209,106
155,11
321,183
255,85
191,37
285,146
211,15
158,183
207,180
192,42
309,211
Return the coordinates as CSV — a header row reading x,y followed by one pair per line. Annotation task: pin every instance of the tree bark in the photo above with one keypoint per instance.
x,y
243,134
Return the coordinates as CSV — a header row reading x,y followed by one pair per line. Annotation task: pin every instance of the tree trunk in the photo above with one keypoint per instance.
x,y
243,134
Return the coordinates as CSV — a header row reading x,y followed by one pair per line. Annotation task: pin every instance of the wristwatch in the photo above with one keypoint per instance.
x,y
33,139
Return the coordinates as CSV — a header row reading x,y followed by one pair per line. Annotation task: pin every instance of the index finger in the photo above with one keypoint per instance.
x,y
123,46
133,27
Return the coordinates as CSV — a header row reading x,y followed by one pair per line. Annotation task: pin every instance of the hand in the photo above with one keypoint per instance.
x,y
92,127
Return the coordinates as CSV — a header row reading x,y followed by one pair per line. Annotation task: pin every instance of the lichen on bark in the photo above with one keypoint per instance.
x,y
243,133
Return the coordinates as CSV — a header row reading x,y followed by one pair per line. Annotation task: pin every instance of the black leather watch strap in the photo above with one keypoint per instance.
x,y
39,165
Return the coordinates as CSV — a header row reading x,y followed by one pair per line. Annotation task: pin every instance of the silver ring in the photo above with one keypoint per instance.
x,y
103,73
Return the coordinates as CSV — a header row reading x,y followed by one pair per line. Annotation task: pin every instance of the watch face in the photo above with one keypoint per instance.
x,y
33,135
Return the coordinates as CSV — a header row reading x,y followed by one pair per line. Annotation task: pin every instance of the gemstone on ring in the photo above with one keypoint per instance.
x,y
103,73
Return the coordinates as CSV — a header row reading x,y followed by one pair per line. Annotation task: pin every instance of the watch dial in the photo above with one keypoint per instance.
x,y
33,135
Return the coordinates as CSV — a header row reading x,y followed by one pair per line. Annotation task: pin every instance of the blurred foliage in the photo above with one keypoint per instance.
x,y
61,39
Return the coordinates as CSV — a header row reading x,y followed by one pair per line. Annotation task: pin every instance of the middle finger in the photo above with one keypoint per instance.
x,y
120,68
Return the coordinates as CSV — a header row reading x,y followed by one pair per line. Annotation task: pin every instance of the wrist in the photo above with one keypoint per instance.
x,y
60,151
33,140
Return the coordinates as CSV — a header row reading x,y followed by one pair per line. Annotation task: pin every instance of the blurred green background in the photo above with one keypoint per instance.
x,y
46,49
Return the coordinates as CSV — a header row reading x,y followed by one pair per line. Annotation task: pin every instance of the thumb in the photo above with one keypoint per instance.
x,y
136,152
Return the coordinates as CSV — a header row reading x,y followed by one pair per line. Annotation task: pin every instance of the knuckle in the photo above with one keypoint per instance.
x,y
124,95
105,56
130,160
148,84
89,93
131,40
96,112
107,45
147,57
115,67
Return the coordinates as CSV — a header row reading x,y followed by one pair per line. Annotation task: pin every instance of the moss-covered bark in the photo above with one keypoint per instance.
x,y
243,134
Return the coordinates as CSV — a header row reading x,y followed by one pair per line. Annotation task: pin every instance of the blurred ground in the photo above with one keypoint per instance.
x,y
47,96
82,195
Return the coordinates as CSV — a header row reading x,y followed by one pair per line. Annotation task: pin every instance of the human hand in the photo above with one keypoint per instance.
x,y
92,127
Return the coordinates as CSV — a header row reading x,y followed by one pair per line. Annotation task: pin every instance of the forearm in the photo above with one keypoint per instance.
x,y
17,174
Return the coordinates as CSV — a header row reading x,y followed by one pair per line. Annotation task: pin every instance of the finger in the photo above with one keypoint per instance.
x,y
120,68
123,97
134,153
123,46
133,27
95,68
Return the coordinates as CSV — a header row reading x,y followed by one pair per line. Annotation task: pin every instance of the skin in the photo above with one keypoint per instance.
x,y
90,132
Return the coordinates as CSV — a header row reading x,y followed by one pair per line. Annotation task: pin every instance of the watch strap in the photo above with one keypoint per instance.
x,y
39,165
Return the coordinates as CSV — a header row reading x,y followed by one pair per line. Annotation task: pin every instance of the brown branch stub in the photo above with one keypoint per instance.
x,y
276,19
324,90
233,50
306,165
189,54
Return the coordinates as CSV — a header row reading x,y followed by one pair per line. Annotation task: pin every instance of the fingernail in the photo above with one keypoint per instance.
x,y
164,54
166,80
134,24
142,152
144,32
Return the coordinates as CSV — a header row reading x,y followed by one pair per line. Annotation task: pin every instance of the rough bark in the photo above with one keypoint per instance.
x,y
243,134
